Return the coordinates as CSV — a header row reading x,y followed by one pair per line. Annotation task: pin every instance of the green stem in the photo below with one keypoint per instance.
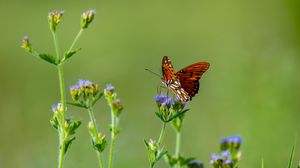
x,y
112,143
93,119
177,150
75,40
63,103
162,133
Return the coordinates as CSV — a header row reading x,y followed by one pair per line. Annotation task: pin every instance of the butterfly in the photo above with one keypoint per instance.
x,y
184,83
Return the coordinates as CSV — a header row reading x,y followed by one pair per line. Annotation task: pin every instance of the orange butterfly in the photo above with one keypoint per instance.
x,y
184,83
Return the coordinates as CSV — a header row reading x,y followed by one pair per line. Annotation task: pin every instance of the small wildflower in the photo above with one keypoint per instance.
x,y
231,143
75,92
26,44
87,17
57,108
195,164
215,160
163,100
54,19
88,88
153,145
109,90
117,107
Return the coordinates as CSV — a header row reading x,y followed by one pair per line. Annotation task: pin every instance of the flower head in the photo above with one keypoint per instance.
x,y
231,143
54,19
215,160
75,92
88,88
109,90
195,164
57,108
26,44
163,100
87,17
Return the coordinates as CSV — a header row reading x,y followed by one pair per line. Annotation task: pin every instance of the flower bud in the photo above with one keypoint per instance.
x,y
26,44
54,19
75,92
117,107
87,17
153,145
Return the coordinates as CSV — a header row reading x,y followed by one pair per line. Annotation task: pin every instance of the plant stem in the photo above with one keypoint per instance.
x,y
177,150
63,103
75,40
162,133
93,119
112,144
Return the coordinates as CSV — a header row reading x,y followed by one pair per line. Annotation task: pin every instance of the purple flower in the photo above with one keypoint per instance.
x,y
109,90
57,108
215,159
163,100
225,154
232,142
84,83
87,17
232,139
75,92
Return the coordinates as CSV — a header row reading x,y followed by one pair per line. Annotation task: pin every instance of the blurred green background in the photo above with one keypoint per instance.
x,y
251,89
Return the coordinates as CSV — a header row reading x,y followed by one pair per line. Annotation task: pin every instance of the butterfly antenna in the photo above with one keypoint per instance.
x,y
153,73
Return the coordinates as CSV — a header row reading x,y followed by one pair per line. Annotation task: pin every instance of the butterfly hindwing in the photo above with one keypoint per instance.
x,y
190,75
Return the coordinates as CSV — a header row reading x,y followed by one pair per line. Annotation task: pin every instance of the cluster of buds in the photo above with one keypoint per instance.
x,y
98,139
68,126
87,18
114,102
154,152
54,19
230,153
170,109
85,92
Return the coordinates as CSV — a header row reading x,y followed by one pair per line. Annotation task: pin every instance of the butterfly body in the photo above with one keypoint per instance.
x,y
184,83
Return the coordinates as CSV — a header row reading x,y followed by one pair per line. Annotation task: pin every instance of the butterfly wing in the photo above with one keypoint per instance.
x,y
171,81
190,75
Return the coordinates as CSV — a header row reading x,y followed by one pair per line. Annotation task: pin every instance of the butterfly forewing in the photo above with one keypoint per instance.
x,y
171,80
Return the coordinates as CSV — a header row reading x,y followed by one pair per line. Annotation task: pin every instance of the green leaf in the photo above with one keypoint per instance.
x,y
68,143
159,115
290,164
54,122
98,96
69,54
161,155
73,127
49,58
179,114
77,104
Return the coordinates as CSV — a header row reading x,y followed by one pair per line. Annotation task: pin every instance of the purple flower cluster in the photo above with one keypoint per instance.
x,y
85,88
230,153
231,143
163,100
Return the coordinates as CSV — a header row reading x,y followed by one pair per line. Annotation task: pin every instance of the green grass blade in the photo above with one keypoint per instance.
x,y
290,164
